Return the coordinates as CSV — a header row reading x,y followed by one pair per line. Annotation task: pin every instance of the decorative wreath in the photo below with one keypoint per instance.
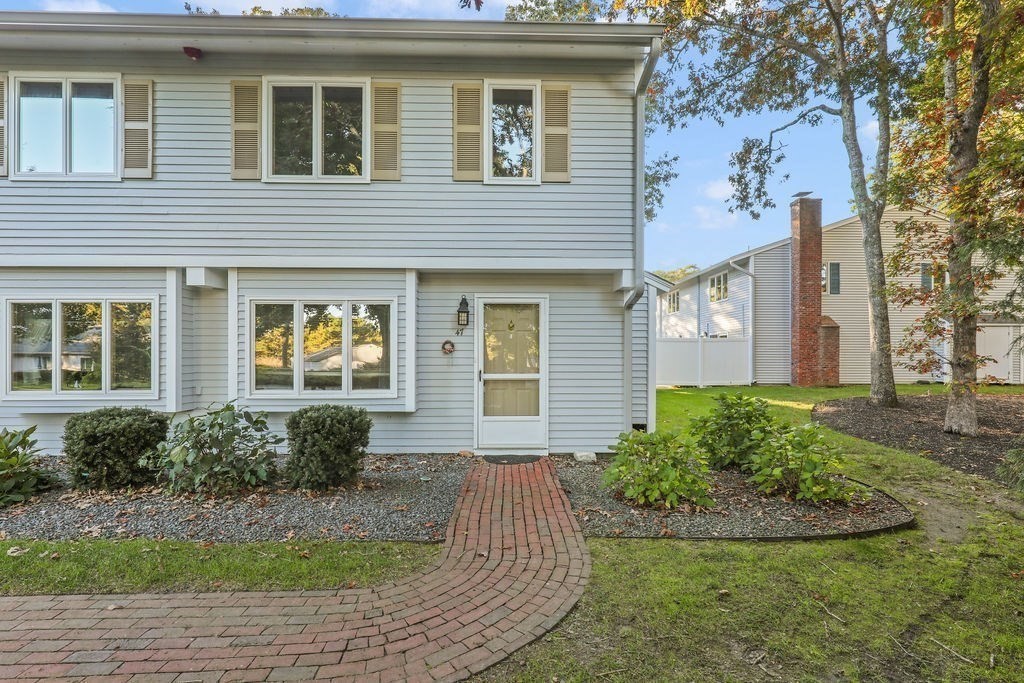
x,y
447,347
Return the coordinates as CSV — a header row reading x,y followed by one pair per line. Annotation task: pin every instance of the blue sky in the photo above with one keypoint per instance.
x,y
695,225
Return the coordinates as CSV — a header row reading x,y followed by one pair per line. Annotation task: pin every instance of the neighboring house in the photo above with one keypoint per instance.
x,y
736,323
441,222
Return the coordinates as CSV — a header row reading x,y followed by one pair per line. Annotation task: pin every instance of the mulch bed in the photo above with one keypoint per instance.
x,y
740,511
915,425
397,498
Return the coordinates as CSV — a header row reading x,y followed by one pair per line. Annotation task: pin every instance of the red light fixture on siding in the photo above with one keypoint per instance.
x,y
193,53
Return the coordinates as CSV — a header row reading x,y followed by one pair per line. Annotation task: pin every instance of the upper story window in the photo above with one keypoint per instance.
x,y
318,130
830,278
932,276
66,127
83,347
718,287
672,302
513,130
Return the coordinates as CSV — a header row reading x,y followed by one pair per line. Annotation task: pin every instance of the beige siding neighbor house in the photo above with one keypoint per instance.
x,y
296,211
755,311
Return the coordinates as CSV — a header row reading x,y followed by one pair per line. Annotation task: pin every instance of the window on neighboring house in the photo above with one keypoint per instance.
x,y
718,287
346,347
103,346
318,131
830,278
65,127
932,274
512,132
673,302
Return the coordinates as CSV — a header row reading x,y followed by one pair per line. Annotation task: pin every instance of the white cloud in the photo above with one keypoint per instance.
x,y
76,6
664,228
869,131
720,189
713,218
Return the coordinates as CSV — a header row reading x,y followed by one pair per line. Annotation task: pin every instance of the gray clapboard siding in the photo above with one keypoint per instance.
x,y
772,310
49,415
191,213
205,364
640,350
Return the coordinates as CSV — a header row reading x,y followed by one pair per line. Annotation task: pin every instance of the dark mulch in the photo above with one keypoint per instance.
x,y
915,425
740,511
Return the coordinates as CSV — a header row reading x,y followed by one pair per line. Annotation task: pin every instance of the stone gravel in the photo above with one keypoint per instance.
x,y
397,498
740,511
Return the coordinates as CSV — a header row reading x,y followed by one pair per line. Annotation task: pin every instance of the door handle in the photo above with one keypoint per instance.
x,y
479,375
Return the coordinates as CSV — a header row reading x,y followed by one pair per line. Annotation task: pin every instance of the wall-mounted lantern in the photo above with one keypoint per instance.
x,y
462,315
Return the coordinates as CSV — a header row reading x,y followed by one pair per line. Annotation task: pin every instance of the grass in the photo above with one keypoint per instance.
x,y
109,566
671,610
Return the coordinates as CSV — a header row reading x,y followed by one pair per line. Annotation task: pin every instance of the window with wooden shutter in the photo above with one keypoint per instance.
x,y
245,130
555,133
138,129
468,132
3,124
386,132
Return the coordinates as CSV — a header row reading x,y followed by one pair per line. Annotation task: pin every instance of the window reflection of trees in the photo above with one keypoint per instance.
x,y
323,351
82,346
512,128
32,346
131,345
274,339
343,131
371,346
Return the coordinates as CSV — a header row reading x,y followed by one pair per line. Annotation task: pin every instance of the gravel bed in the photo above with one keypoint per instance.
x,y
740,511
397,498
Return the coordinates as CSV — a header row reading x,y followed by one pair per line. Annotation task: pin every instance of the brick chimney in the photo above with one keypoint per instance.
x,y
805,223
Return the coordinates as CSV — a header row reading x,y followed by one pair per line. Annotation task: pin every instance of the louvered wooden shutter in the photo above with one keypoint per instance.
x,y
386,135
138,129
468,131
3,124
245,130
555,133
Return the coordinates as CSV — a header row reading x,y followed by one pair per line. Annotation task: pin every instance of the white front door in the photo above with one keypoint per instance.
x,y
995,341
511,373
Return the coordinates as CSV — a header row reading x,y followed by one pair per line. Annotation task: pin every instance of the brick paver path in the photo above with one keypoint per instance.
x,y
514,563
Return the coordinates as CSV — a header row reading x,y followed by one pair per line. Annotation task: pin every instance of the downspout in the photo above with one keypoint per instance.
x,y
640,97
750,342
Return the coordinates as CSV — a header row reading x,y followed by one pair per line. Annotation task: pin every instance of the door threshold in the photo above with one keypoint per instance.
x,y
510,451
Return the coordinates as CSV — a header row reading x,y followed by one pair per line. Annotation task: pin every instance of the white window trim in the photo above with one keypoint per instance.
x,y
297,392
269,82
489,86
55,393
672,306
14,135
828,278
724,275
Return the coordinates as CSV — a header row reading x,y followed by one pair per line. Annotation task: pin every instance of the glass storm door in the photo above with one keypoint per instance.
x,y
512,374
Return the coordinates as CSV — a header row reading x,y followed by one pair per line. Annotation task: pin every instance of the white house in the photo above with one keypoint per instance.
x,y
441,222
742,320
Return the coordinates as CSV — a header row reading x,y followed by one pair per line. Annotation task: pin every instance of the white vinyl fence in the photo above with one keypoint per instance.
x,y
703,361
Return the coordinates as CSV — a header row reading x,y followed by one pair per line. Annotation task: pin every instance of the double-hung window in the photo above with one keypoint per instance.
x,y
346,348
673,302
831,278
317,130
82,346
66,127
513,132
718,287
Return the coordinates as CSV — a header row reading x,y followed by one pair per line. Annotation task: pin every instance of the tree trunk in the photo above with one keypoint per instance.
x,y
961,412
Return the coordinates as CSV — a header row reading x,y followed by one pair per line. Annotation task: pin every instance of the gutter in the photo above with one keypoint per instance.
x,y
640,96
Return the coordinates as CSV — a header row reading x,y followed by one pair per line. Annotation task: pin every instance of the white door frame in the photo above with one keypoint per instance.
x,y
502,298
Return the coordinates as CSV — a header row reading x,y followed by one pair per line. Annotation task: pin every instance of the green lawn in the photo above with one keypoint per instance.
x,y
807,611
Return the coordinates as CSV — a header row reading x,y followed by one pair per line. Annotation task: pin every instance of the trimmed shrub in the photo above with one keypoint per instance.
x,y
658,468
326,444
801,463
734,430
104,446
225,451
20,479
1011,470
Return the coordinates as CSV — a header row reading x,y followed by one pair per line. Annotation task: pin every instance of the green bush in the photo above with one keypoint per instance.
x,y
326,445
227,450
800,462
734,430
20,479
1011,470
658,469
104,446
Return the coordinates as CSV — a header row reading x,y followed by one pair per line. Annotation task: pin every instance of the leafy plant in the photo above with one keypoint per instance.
x,y
1011,470
658,468
104,447
326,445
802,463
734,430
225,450
20,479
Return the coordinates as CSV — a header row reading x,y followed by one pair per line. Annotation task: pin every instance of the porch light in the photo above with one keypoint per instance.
x,y
463,312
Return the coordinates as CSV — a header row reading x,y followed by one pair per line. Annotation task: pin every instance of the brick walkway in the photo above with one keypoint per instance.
x,y
514,564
